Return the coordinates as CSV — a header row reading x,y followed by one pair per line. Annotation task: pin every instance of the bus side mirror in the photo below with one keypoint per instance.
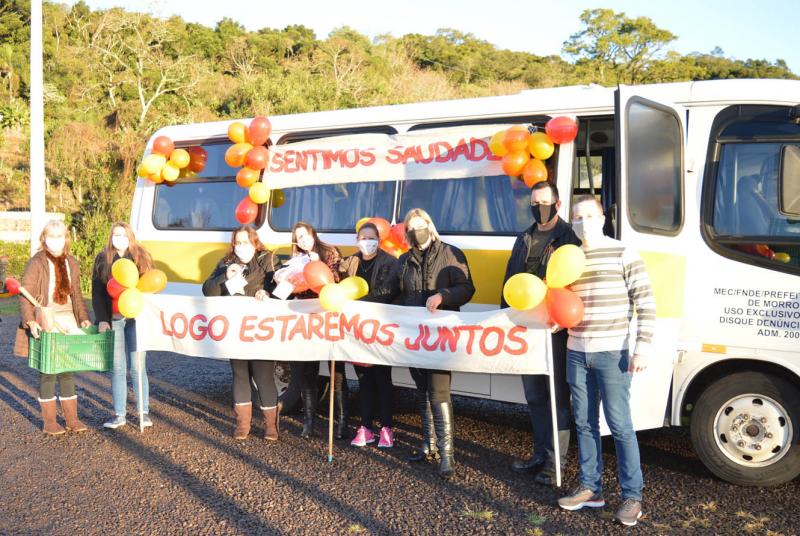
x,y
789,181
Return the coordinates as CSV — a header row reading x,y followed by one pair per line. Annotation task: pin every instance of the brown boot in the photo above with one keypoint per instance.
x,y
271,420
50,425
70,408
244,414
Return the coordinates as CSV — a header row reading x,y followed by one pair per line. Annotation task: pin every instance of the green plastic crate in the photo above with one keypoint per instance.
x,y
54,353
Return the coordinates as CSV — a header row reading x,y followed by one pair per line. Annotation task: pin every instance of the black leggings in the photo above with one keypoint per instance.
x,y
309,372
47,385
435,384
262,373
375,384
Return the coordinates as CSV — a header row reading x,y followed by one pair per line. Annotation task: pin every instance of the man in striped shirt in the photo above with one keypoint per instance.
x,y
613,285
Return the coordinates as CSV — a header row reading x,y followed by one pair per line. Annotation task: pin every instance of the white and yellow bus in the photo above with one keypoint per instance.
x,y
702,178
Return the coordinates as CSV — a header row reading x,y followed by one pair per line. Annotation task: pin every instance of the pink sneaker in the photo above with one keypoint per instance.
x,y
387,438
363,437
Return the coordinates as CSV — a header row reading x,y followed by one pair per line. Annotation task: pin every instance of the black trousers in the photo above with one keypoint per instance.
x,y
47,385
262,373
309,371
375,385
435,384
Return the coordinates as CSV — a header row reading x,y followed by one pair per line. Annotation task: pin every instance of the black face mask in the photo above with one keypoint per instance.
x,y
419,236
543,213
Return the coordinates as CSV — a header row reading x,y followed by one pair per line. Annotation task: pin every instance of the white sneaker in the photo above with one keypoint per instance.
x,y
116,422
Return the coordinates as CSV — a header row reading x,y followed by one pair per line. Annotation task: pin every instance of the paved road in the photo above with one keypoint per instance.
x,y
187,476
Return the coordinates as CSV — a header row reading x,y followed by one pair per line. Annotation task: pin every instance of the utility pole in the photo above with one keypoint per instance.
x,y
37,179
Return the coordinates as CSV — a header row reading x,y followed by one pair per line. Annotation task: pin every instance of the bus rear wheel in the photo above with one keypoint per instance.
x,y
746,429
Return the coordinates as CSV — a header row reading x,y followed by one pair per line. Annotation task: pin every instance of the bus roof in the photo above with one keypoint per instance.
x,y
583,99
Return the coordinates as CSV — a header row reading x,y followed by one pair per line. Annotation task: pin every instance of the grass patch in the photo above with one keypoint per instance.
x,y
709,506
355,528
480,515
536,519
9,306
535,531
696,522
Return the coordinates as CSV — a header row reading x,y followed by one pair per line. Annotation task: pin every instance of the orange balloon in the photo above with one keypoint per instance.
x,y
384,227
236,154
246,177
257,158
516,139
197,158
317,275
564,306
513,163
163,145
533,172
238,133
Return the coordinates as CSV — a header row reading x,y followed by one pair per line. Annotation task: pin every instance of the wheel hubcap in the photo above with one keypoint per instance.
x,y
753,430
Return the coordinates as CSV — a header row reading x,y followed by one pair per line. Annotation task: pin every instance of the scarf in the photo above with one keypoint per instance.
x,y
62,287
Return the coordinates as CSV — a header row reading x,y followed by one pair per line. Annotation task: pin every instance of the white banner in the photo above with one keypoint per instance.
x,y
500,341
445,153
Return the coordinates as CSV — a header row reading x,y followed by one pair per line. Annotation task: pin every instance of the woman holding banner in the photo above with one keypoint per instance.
x,y
380,270
305,241
247,269
434,275
121,244
52,277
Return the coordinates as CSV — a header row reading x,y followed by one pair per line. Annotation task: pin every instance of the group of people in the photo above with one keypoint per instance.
x,y
592,361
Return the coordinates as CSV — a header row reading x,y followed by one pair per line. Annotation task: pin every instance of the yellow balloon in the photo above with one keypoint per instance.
x,y
125,272
259,193
180,158
361,222
496,144
541,146
152,281
355,286
278,199
332,297
169,172
131,303
237,132
153,163
141,171
783,257
565,266
524,291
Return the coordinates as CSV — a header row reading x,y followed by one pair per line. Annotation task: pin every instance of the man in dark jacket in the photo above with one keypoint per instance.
x,y
531,253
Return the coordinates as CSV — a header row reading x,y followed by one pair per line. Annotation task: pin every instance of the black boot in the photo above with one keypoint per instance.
x,y
427,451
341,406
443,423
309,397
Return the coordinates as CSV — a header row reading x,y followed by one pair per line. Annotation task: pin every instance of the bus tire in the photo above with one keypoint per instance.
x,y
745,428
288,386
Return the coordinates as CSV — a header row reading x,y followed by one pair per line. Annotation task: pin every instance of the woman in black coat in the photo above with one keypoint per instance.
x,y
247,269
436,276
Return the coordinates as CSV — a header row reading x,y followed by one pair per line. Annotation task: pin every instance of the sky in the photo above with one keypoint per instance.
x,y
765,29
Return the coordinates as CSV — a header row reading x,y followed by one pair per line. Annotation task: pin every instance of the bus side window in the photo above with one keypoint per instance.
x,y
596,174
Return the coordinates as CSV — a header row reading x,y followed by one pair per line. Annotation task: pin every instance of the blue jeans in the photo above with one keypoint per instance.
x,y
593,377
119,383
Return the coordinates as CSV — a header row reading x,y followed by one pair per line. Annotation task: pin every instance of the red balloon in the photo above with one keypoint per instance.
x,y
115,306
317,275
197,158
114,289
299,282
398,236
246,211
163,146
260,129
561,129
12,286
384,227
564,306
257,158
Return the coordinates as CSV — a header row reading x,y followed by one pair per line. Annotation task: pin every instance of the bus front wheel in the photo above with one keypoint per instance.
x,y
745,428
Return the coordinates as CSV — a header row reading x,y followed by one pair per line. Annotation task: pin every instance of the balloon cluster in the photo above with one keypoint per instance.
x,y
126,287
165,163
12,287
524,152
392,237
248,152
526,291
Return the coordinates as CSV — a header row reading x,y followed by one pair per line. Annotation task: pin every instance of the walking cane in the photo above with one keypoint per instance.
x,y
139,398
330,409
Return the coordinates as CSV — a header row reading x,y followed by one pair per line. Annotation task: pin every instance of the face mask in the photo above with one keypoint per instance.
x,y
590,230
420,237
120,243
306,243
55,245
543,213
368,247
245,252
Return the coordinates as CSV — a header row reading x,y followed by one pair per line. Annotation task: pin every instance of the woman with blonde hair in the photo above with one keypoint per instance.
x,y
52,276
434,275
121,244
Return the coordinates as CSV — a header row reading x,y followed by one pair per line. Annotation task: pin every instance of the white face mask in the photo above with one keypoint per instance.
x,y
368,247
245,252
120,243
306,243
589,230
55,244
